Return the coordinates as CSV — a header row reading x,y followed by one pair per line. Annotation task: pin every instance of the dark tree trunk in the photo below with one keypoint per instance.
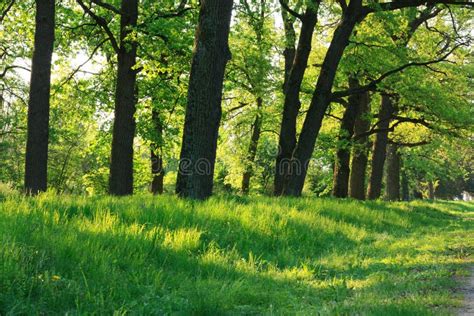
x,y
252,151
343,154
360,150
157,171
38,106
405,186
203,113
156,156
321,99
417,195
380,145
290,42
392,179
380,148
287,138
121,166
431,190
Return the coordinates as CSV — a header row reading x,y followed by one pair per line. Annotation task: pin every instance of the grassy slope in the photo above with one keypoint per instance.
x,y
149,255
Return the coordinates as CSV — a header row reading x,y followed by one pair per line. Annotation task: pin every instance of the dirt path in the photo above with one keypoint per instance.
x,y
468,291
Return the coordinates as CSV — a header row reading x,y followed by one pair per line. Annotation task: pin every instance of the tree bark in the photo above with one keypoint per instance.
x,y
392,179
321,99
287,137
431,190
405,186
36,164
252,150
343,154
157,171
121,166
380,148
290,42
156,156
360,150
203,112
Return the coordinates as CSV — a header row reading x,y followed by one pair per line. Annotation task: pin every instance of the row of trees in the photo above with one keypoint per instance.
x,y
329,94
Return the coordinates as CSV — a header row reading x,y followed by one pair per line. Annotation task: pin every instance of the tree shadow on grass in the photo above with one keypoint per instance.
x,y
293,240
237,268
102,272
395,218
413,214
458,206
115,270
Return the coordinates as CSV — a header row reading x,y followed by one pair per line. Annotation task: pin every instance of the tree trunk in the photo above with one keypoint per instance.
x,y
417,195
252,151
290,41
343,154
321,99
203,113
156,156
157,171
380,148
392,179
287,138
121,166
405,186
360,150
431,190
36,164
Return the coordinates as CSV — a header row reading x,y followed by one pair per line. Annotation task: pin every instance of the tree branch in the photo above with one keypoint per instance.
x,y
425,15
395,5
176,14
373,84
5,11
400,120
333,116
103,24
107,6
401,144
343,4
3,74
238,107
75,71
285,6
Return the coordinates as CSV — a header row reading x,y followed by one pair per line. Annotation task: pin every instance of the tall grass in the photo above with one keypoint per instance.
x,y
230,255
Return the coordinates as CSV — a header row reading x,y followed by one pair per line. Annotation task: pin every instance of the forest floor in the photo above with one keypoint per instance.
x,y
232,255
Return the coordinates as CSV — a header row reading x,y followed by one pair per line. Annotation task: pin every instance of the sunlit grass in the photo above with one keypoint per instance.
x,y
231,255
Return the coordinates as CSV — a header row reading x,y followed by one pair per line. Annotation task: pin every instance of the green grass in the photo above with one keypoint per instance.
x,y
231,255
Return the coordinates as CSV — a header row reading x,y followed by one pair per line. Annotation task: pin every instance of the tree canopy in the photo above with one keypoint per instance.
x,y
284,97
